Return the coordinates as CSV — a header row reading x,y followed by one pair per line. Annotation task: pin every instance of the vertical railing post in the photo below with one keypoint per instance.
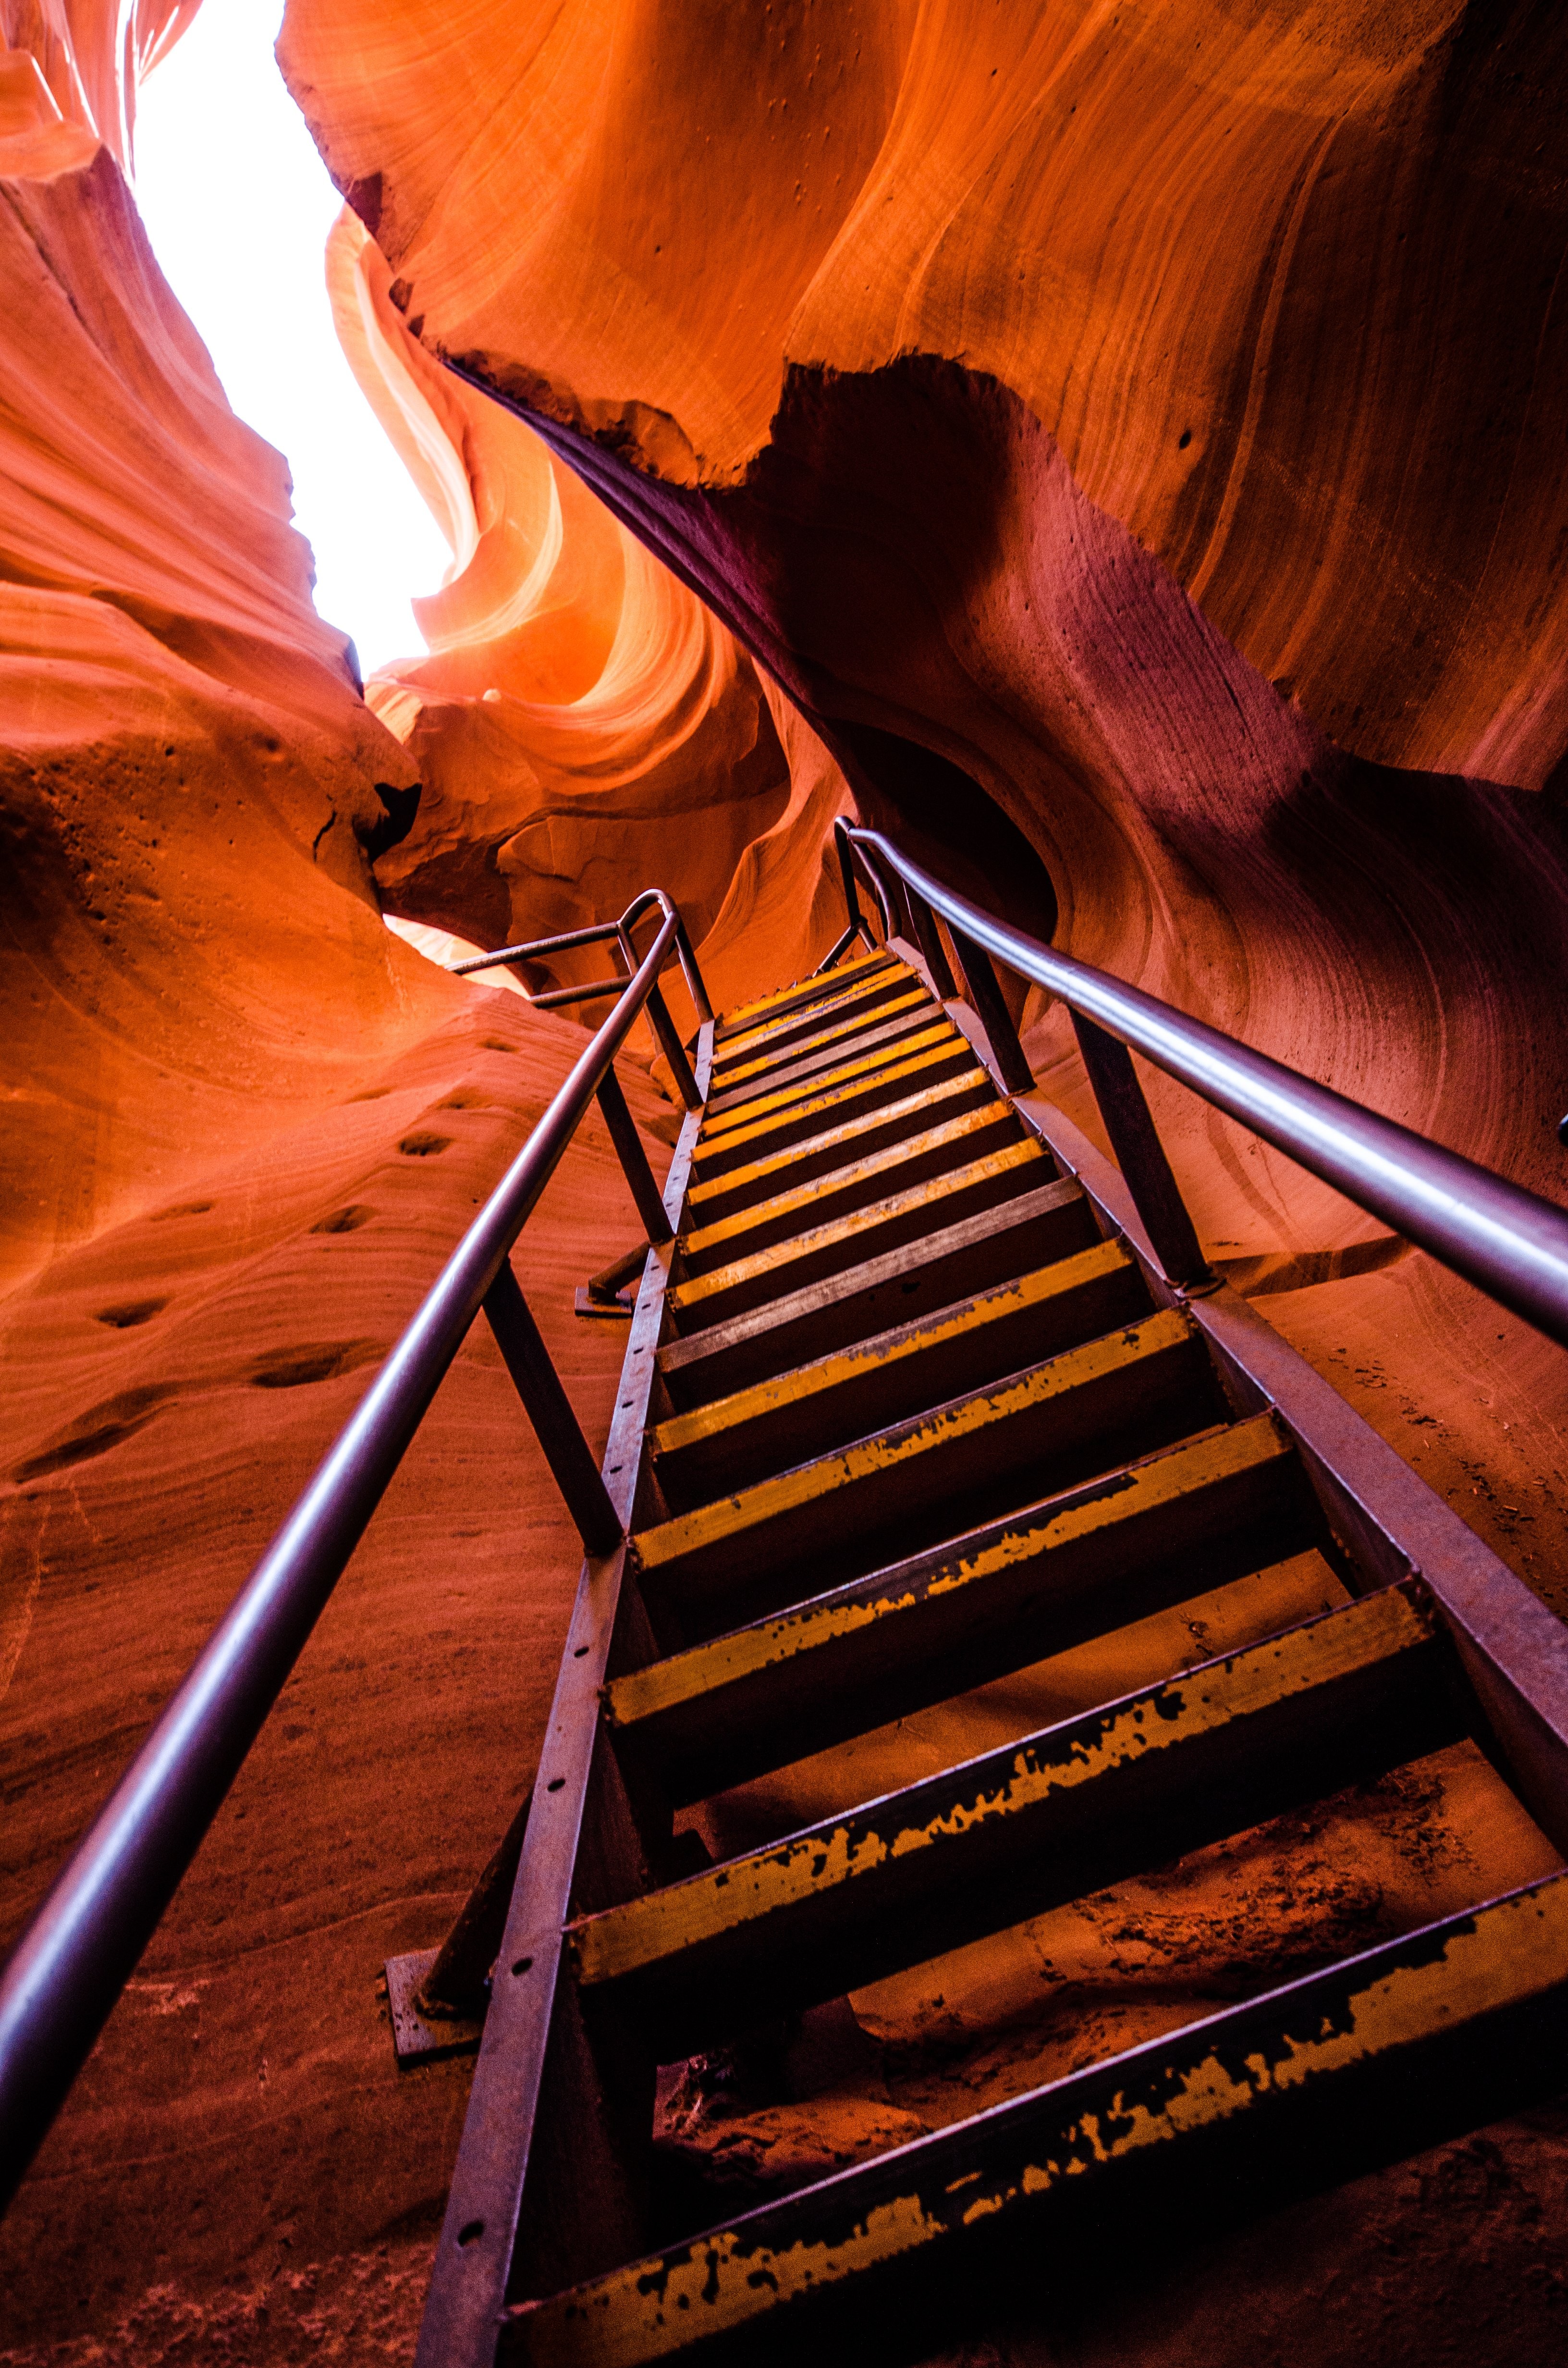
x,y
695,985
664,1027
985,993
1141,1155
857,919
635,1160
549,1408
929,939
455,1984
674,1051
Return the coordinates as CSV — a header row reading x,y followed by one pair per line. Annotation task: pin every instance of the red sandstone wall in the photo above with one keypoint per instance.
x,y
584,726
243,1125
1149,413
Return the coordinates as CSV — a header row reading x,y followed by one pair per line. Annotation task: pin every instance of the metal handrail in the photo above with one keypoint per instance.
x,y
600,933
69,1968
620,933
1509,1242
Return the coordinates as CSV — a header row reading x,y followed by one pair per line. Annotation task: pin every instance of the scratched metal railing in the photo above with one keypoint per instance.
x,y
75,1957
1509,1242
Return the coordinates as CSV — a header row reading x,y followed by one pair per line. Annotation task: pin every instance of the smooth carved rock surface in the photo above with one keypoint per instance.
x,y
582,725
1127,436
1280,282
1130,438
1131,435
244,1126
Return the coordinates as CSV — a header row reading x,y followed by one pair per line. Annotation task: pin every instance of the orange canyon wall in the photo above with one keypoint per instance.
x,y
242,1126
1122,444
1131,437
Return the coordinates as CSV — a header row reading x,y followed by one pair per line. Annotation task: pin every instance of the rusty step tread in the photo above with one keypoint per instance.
x,y
798,1073
804,991
1088,1409
1339,1699
828,1248
857,994
915,1160
853,1027
866,1089
1082,1563
851,1390
1047,1223
1444,2027
837,1145
748,1109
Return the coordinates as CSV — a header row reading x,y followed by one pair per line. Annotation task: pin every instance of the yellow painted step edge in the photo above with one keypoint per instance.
x,y
860,1221
729,1021
788,1492
714,1132
780,1163
1057,1280
880,1163
1184,1471
661,1924
1510,1950
791,1112
823,1019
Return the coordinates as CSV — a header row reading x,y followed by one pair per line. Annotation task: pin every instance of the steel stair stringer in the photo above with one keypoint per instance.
x,y
889,1428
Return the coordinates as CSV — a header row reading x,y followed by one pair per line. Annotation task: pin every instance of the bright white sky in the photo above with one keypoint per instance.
x,y
238,205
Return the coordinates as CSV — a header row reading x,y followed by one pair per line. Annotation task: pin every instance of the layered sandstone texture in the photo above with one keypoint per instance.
x,y
242,1126
1129,436
582,725
1132,437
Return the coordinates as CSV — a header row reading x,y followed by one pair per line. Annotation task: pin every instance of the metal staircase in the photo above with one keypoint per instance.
x,y
919,1390
906,1408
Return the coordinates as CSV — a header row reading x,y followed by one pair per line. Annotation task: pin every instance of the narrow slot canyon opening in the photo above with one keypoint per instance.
x,y
887,1497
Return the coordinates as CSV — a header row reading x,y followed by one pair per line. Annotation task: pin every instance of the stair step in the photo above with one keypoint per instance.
x,y
955,1260
857,998
859,1138
846,1242
912,1020
765,1007
1092,1560
1062,1813
751,1105
844,1026
1413,2042
972,1459
803,1413
917,1160
861,1090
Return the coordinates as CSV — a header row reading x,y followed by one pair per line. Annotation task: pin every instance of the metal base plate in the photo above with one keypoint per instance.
x,y
415,2039
619,1311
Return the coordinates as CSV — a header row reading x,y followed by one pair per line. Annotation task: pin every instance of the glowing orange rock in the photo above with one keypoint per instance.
x,y
582,725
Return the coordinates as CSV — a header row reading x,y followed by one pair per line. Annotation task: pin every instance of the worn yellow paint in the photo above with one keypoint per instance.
x,y
780,1164
881,1035
768,1053
807,1866
880,1163
729,1022
823,1103
1057,1280
1145,1488
941,1032
1506,1954
788,1492
779,1259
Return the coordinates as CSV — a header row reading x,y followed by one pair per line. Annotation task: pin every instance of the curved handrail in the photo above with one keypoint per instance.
x,y
81,1947
600,933
1511,1244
